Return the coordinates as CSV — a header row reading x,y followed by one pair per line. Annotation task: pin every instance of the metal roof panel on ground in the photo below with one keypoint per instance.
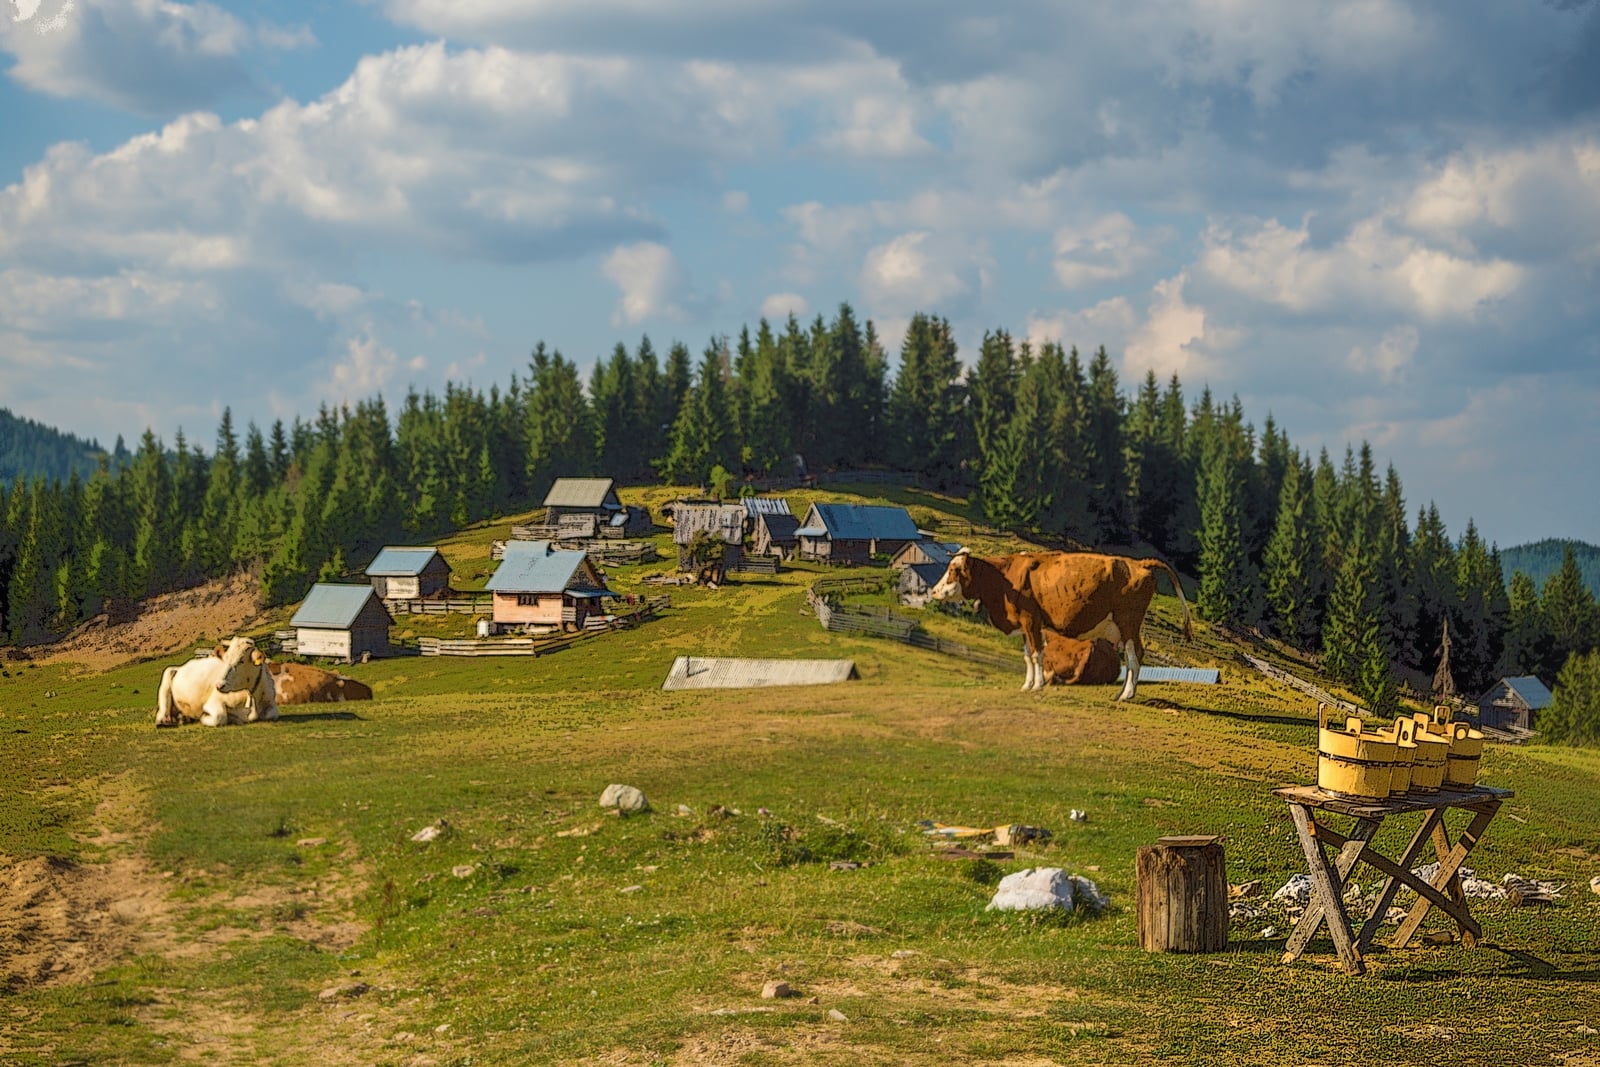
x,y
1191,675
578,493
765,505
701,672
534,567
867,522
397,561
332,607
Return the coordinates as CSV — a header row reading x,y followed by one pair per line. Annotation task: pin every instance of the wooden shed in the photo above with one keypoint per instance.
x,y
403,573
724,522
771,525
925,551
345,622
1514,703
538,584
581,496
916,580
854,533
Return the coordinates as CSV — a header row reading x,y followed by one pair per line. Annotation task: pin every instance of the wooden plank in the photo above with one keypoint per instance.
x,y
1391,885
1360,808
1449,864
1326,885
1350,853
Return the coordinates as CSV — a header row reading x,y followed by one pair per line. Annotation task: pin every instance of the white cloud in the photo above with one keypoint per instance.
x,y
1108,249
1388,359
653,283
779,306
903,275
367,367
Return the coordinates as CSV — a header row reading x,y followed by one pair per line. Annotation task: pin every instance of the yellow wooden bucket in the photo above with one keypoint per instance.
x,y
1403,735
1432,752
1466,749
1353,762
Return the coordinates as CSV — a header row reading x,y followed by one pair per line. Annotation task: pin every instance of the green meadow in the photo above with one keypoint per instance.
x,y
286,915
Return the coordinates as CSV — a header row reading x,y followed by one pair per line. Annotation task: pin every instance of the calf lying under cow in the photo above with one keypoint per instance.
x,y
1076,597
236,684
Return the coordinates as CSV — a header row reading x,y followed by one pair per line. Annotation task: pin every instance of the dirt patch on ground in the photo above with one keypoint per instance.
x,y
168,623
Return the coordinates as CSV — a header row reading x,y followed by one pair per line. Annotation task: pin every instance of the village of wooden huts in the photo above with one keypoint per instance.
x,y
405,573
344,622
771,525
854,533
1514,703
538,585
586,508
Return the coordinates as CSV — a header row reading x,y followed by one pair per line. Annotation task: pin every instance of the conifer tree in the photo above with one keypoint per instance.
x,y
1392,563
257,468
1433,583
1528,644
155,549
560,424
1018,483
1292,561
925,413
1569,611
769,442
1105,458
1224,593
1350,629
992,392
1573,716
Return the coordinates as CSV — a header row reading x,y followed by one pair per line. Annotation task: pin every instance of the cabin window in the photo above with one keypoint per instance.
x,y
527,600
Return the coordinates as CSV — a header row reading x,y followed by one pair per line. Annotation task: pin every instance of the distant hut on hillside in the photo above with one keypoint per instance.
x,y
771,526
346,622
925,551
1514,703
406,573
584,508
854,533
721,522
538,584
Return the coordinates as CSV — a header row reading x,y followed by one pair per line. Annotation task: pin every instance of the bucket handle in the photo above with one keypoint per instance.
x,y
1405,729
1442,713
1322,716
1459,730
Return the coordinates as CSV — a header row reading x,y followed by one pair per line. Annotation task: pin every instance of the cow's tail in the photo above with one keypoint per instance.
x,y
1177,586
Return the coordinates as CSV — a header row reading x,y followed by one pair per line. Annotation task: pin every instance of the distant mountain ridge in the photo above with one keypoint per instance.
x,y
1540,559
34,450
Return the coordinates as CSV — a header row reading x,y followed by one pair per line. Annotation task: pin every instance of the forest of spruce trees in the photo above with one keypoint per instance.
x,y
1326,555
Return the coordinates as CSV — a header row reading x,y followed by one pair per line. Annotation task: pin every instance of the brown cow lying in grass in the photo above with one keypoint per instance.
x,y
1069,661
297,683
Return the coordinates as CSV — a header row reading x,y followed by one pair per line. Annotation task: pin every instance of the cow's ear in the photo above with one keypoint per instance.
x,y
220,651
257,658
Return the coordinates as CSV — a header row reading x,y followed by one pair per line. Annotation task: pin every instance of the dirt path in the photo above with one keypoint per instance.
x,y
168,623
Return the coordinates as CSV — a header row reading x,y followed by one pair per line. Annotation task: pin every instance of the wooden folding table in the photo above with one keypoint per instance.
x,y
1328,876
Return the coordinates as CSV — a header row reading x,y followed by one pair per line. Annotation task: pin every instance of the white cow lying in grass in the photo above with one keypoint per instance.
x,y
233,685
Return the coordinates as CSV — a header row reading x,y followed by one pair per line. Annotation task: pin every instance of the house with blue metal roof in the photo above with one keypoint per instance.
x,y
1514,703
538,584
409,573
345,622
854,533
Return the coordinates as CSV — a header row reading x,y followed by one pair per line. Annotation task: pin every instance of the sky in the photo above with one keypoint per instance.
x,y
1376,219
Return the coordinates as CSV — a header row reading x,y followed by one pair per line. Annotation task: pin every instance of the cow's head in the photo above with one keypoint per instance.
x,y
953,586
242,662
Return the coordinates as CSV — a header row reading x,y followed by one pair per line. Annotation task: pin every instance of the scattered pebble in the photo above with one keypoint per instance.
x,y
1269,933
442,1028
1594,884
630,888
902,954
1245,891
843,865
463,870
1585,1029
838,1016
1297,889
684,810
1078,815
775,990
310,842
343,992
405,1035
430,833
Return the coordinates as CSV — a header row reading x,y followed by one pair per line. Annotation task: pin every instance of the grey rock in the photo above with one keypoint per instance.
x,y
625,798
838,1016
777,990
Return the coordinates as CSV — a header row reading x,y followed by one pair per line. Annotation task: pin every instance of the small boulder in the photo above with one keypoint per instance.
x,y
625,798
463,871
1296,889
430,833
778,990
838,1016
343,992
1042,888
1594,884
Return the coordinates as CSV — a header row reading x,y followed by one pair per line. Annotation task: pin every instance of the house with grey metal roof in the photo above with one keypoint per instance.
x,y
1514,703
854,533
925,550
346,622
583,508
409,573
538,584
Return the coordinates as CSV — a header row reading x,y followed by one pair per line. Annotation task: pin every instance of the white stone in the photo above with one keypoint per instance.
x,y
838,1016
1034,889
1088,894
1297,889
625,798
1594,884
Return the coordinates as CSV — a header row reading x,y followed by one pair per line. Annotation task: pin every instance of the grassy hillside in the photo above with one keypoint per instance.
x,y
1540,559
269,905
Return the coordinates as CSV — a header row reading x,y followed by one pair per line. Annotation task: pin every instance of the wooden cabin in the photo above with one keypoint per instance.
x,y
925,551
854,533
1514,703
538,584
771,526
344,622
916,581
404,573
724,522
593,497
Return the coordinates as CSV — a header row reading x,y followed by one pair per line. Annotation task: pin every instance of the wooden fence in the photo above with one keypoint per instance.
x,y
476,605
881,622
756,565
602,553
533,533
1305,687
542,646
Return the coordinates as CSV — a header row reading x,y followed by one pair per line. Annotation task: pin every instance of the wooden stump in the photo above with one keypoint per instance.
x,y
1183,895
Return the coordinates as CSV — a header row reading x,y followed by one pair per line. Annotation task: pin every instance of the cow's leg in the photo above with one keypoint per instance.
x,y
1036,670
1132,648
214,712
166,708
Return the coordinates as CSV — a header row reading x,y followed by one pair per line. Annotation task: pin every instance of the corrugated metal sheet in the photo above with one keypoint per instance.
x,y
332,607
812,531
579,493
725,521
1531,690
534,567
699,672
765,505
927,574
401,562
1190,675
782,527
864,522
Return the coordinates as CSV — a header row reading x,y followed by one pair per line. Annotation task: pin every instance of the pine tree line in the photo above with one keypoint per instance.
x,y
1045,442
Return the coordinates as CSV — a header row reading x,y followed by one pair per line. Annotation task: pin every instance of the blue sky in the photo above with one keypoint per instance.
x,y
1376,219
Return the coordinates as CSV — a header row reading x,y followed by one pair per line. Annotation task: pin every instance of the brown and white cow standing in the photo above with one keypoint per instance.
x,y
1081,595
